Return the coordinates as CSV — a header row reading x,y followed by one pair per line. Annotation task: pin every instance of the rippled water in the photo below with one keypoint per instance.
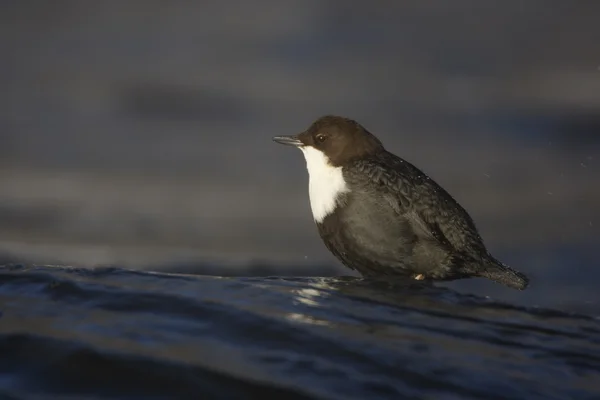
x,y
114,333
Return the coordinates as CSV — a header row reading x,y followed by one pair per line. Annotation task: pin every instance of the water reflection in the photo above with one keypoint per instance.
x,y
309,297
307,319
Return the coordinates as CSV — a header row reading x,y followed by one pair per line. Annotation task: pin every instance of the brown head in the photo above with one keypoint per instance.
x,y
339,139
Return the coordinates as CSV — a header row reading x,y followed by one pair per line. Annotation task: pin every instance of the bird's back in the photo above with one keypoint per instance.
x,y
431,210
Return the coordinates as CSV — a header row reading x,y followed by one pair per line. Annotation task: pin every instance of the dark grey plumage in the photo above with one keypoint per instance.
x,y
394,219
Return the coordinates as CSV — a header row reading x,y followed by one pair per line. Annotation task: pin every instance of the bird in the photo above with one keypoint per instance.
x,y
381,216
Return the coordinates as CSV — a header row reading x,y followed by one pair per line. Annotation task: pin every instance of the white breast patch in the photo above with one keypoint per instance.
x,y
326,183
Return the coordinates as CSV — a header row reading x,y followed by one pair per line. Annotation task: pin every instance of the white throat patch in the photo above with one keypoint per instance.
x,y
326,183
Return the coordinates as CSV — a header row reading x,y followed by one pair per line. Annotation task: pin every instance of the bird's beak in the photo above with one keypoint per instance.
x,y
288,140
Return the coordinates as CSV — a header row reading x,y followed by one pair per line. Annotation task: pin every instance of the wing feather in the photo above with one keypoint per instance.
x,y
415,196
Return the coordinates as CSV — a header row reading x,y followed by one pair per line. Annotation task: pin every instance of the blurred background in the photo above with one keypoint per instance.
x,y
138,133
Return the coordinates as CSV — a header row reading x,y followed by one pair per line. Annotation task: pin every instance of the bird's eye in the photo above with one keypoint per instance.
x,y
321,138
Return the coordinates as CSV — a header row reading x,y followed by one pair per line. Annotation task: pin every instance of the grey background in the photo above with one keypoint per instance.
x,y
138,133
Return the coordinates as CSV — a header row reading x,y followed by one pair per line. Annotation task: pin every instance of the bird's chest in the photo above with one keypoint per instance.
x,y
326,184
325,192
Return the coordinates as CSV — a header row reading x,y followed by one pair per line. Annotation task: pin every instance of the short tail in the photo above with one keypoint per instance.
x,y
501,273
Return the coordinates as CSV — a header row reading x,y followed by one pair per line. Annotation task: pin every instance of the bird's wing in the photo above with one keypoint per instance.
x,y
417,197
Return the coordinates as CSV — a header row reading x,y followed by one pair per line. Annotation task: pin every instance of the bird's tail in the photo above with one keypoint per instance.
x,y
502,273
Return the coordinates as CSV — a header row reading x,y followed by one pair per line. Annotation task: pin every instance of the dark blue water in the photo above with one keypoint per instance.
x,y
113,333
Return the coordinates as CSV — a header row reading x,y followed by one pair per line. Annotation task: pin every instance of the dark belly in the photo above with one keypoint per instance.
x,y
369,236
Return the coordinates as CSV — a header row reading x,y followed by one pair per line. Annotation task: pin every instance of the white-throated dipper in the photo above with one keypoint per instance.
x,y
381,216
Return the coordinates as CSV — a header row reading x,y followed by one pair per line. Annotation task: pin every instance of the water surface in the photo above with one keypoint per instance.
x,y
113,333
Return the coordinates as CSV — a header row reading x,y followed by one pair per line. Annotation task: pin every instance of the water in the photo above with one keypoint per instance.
x,y
102,333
